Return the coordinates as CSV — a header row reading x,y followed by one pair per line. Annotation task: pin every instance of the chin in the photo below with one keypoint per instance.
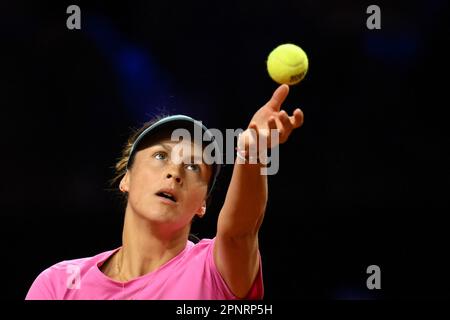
x,y
161,216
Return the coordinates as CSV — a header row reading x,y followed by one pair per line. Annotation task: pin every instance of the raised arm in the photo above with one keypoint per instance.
x,y
236,247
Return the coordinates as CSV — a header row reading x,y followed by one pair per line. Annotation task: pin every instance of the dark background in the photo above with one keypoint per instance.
x,y
364,181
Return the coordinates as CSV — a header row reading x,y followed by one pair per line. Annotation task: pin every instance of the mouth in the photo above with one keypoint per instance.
x,y
167,195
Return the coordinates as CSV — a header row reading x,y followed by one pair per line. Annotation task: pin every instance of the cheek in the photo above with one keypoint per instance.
x,y
196,198
135,196
140,186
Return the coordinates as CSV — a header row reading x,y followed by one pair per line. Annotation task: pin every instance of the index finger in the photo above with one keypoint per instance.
x,y
278,97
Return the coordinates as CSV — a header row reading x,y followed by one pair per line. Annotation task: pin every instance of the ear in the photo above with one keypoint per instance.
x,y
202,210
124,185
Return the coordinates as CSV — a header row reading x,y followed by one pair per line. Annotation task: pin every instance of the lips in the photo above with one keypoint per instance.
x,y
167,194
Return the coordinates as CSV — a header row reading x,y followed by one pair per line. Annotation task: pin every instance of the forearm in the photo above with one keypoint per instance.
x,y
236,246
245,202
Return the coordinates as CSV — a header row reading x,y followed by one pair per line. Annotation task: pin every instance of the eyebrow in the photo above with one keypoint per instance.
x,y
165,146
194,159
169,148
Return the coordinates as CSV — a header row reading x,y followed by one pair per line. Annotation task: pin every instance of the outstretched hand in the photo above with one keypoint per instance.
x,y
270,116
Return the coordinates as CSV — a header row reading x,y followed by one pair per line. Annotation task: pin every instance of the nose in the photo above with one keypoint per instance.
x,y
173,174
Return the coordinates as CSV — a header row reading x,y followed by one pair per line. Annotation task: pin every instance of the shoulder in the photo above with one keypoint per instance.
x,y
62,275
81,264
202,244
201,248
201,267
255,290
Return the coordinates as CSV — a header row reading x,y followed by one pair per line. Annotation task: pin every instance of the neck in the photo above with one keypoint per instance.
x,y
146,246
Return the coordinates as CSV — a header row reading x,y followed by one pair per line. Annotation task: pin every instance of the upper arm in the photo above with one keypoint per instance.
x,y
237,260
236,252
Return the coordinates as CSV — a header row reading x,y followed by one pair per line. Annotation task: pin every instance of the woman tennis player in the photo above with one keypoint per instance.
x,y
157,260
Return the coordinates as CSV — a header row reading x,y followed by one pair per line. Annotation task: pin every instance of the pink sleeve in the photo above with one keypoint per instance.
x,y
41,289
256,292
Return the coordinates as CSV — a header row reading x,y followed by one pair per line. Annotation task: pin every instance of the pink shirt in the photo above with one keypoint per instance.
x,y
191,275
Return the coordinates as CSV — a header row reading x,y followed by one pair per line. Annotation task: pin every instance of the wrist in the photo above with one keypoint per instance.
x,y
244,156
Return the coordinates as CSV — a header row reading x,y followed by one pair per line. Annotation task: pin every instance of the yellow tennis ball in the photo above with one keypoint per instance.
x,y
288,64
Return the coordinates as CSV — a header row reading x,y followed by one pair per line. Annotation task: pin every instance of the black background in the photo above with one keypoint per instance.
x,y
364,181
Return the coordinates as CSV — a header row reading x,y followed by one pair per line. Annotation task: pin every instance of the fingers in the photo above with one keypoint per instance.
x,y
278,97
297,119
263,133
253,134
286,125
272,124
253,126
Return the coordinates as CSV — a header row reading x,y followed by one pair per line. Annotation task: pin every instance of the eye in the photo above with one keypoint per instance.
x,y
160,155
193,167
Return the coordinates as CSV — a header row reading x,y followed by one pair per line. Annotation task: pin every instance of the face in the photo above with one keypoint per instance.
x,y
165,190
